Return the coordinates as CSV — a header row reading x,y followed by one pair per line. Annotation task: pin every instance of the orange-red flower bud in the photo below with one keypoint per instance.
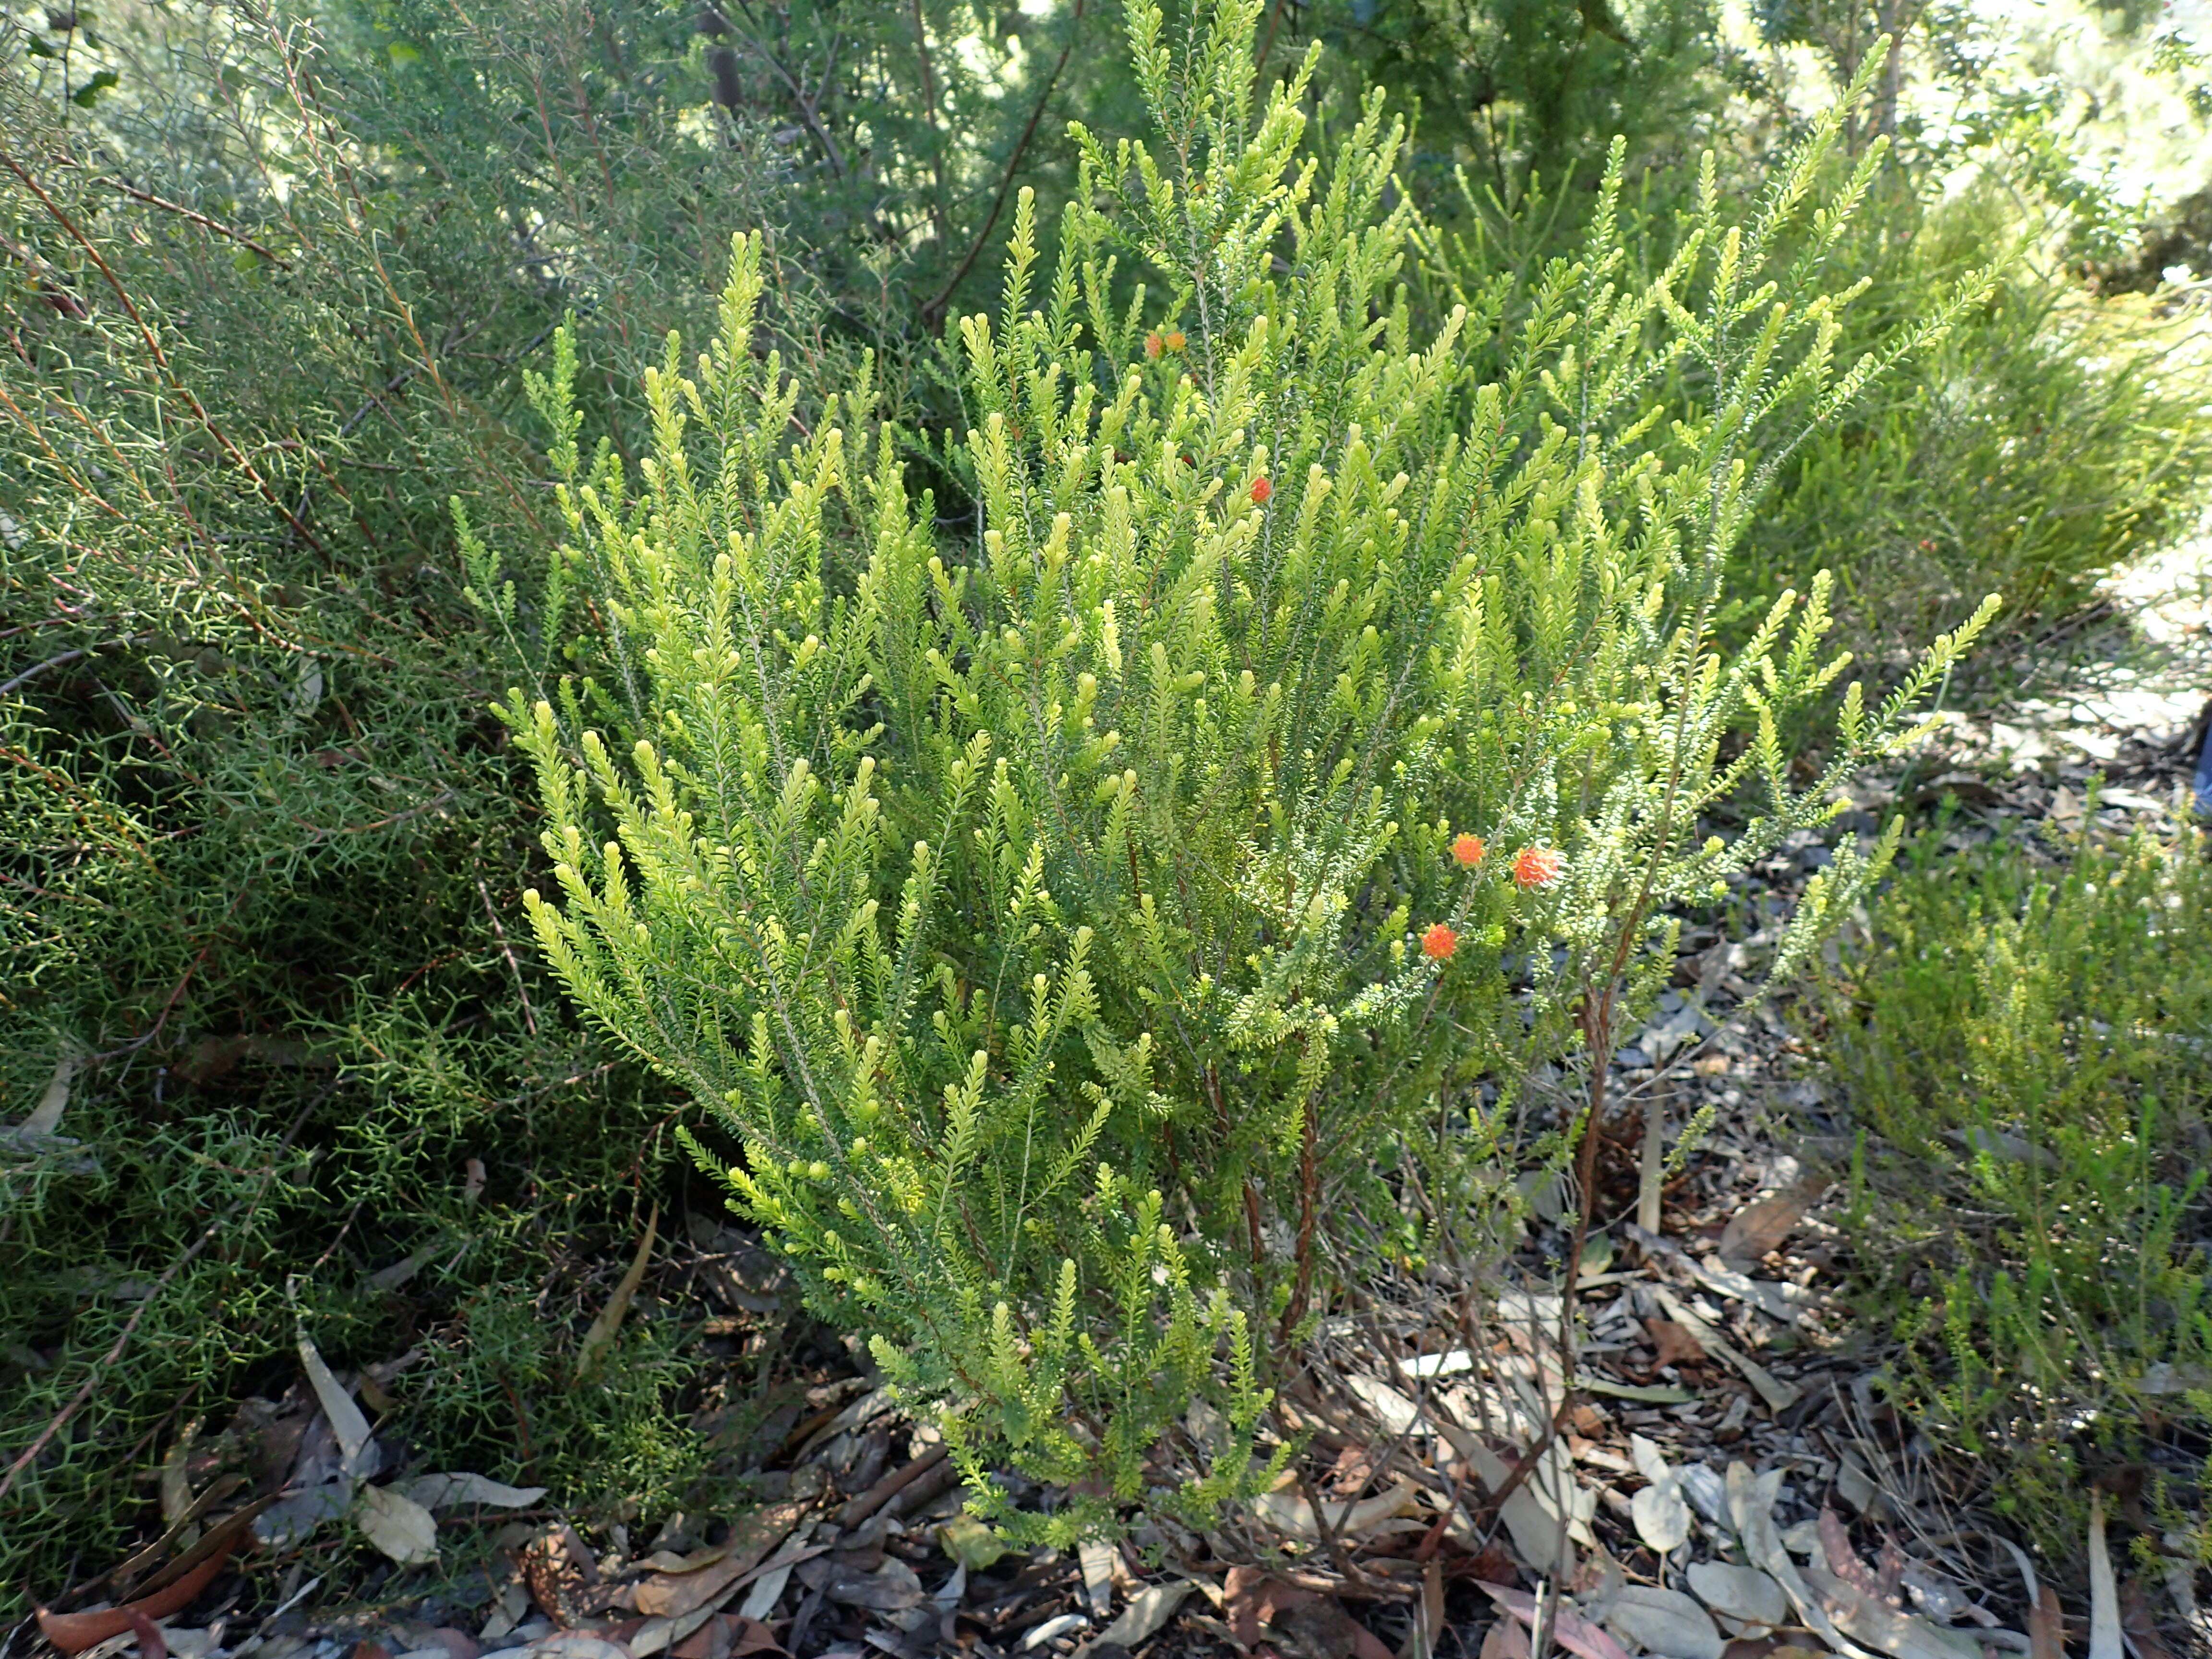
x,y
1468,851
1438,943
1536,866
1260,490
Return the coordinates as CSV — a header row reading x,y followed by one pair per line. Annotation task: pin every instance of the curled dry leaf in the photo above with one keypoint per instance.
x,y
1149,1609
673,1595
1744,1597
1660,1512
1663,1621
396,1525
73,1632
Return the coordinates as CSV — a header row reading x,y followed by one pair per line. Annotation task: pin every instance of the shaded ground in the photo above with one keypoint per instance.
x,y
1723,1477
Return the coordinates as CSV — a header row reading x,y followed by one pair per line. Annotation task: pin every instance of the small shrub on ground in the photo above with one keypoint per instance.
x,y
2048,440
1109,923
260,851
2022,1045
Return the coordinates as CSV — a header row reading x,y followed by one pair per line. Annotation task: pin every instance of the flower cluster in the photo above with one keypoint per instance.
x,y
1532,866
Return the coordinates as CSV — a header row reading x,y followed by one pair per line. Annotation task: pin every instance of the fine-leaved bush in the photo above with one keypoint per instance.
x,y
2020,1041
1112,908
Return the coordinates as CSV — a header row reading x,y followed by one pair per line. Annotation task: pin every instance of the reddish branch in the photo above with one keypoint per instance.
x,y
933,313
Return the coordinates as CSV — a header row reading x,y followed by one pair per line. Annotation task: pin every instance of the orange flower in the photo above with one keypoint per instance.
x,y
1154,345
1536,866
1438,943
1260,490
1174,341
1468,851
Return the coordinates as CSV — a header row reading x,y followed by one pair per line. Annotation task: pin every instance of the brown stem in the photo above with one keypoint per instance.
x,y
1308,1213
161,358
200,219
933,312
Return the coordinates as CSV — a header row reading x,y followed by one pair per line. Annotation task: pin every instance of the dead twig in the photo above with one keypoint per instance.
x,y
933,312
200,219
61,1419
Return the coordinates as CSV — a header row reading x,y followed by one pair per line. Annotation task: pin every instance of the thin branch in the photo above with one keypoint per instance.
x,y
38,668
933,313
529,1014
60,1420
200,219
806,110
160,357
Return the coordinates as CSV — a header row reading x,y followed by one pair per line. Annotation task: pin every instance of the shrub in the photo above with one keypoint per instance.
x,y
1065,912
260,837
2048,441
2021,1048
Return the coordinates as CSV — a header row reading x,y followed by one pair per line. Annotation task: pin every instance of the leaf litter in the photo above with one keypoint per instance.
x,y
1708,1474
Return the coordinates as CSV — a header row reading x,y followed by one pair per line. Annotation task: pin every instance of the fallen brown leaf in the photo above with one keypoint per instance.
x,y
560,1572
1761,1227
1320,1628
890,1586
1252,1597
2138,1625
1428,1615
1843,1560
2046,1626
673,1595
1674,1343
73,1632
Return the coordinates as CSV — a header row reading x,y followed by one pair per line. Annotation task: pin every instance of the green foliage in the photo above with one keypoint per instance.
x,y
1061,910
262,847
1523,96
2022,1046
2048,441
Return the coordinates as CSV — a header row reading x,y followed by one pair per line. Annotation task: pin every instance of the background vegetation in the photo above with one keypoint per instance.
x,y
269,279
